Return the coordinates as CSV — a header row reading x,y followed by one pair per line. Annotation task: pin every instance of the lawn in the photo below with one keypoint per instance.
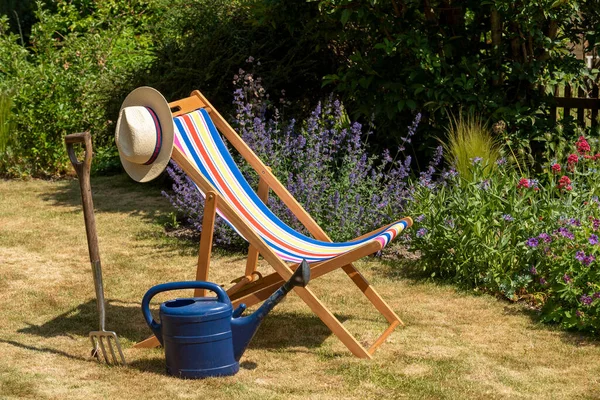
x,y
455,344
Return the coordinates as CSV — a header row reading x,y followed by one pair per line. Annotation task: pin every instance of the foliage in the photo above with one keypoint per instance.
x,y
530,239
324,162
493,57
80,61
469,138
5,123
202,43
467,229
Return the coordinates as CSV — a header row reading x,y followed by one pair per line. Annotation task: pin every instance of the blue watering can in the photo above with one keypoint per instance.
x,y
204,336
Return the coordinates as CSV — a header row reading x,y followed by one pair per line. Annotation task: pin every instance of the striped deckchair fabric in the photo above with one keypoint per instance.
x,y
198,139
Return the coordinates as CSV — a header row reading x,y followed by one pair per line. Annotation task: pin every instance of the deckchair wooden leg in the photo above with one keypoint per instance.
x,y
383,336
206,239
148,343
252,260
262,291
371,294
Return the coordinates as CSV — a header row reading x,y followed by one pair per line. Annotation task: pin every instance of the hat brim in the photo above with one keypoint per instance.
x,y
150,97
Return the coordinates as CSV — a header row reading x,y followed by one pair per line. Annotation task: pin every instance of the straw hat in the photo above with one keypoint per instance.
x,y
144,134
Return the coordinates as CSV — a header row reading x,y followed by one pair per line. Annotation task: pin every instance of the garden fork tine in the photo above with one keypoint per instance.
x,y
83,173
99,337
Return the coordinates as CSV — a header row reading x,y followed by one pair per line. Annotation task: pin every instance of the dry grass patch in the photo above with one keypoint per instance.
x,y
454,345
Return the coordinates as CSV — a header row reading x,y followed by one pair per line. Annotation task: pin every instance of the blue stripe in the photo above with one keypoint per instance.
x,y
228,159
256,200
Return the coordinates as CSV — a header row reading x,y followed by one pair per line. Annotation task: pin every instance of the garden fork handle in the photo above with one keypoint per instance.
x,y
83,173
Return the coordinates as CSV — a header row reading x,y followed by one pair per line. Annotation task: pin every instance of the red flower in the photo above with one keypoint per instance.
x,y
597,156
523,183
564,183
556,168
582,145
572,159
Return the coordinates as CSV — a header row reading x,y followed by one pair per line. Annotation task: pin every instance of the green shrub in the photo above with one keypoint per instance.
x,y
471,230
201,44
493,57
5,123
527,239
80,64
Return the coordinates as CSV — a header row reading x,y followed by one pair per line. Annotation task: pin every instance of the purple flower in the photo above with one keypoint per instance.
x,y
574,222
451,173
450,222
596,224
585,300
535,184
564,232
532,242
597,295
421,232
508,217
476,160
501,161
579,314
426,177
533,270
420,218
542,281
566,278
545,237
593,239
585,260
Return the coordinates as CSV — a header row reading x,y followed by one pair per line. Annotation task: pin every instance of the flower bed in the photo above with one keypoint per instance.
x,y
533,239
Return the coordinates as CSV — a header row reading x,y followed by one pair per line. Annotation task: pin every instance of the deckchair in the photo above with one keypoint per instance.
x,y
201,153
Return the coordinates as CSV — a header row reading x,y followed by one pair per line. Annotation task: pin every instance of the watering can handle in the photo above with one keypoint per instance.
x,y
155,326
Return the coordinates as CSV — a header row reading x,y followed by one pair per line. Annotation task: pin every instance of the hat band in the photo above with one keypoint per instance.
x,y
158,137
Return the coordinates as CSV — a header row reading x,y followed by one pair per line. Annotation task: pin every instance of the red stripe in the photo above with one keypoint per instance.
x,y
233,198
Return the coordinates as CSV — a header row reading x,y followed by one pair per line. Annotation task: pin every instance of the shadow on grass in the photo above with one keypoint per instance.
x,y
116,193
410,271
571,337
43,350
278,330
124,318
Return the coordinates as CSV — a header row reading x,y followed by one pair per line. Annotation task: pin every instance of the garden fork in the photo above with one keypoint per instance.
x,y
101,339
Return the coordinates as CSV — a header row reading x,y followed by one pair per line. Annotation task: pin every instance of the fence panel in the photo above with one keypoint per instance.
x,y
587,99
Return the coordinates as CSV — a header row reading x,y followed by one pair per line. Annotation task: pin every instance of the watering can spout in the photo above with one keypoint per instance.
x,y
244,328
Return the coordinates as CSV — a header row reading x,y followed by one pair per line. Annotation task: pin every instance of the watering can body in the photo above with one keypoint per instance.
x,y
195,332
204,336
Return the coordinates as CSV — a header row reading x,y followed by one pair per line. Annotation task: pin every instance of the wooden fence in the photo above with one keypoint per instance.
x,y
586,100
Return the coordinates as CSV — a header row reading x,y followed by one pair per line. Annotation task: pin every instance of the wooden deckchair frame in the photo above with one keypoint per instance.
x,y
249,289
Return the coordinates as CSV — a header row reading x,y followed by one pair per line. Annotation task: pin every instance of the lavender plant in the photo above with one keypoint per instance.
x,y
324,162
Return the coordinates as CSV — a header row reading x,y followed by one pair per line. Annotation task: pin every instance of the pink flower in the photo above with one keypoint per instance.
x,y
582,145
564,183
523,183
556,168
572,159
